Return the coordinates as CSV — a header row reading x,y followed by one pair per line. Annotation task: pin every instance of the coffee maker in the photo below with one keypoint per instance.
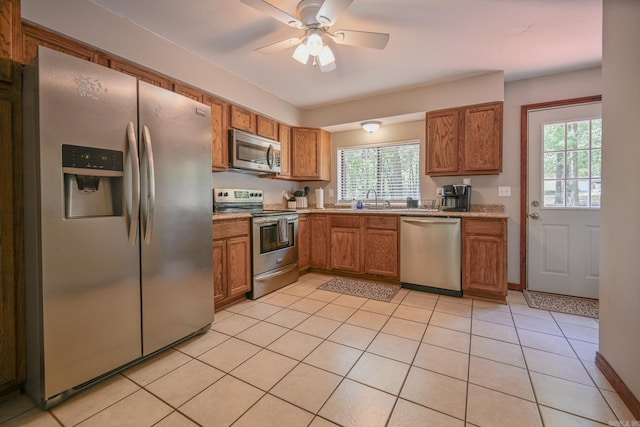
x,y
456,197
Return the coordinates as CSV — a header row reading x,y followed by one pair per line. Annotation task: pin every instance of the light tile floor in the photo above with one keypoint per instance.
x,y
307,357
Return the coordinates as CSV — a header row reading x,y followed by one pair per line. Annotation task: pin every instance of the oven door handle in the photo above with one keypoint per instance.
x,y
272,221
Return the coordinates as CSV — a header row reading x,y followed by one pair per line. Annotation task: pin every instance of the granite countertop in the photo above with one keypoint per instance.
x,y
477,211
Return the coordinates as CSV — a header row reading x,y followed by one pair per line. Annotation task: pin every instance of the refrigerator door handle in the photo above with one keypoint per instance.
x,y
151,185
135,183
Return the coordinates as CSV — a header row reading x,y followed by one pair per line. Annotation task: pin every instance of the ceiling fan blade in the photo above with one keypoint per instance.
x,y
277,46
278,14
328,67
361,38
331,10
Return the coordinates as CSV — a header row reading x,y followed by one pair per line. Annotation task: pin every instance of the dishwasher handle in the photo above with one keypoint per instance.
x,y
429,221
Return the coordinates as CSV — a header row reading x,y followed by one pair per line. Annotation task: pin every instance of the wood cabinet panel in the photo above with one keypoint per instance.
x,y
382,222
381,252
139,73
188,91
304,253
319,241
484,258
310,154
12,327
231,260
345,249
219,272
243,119
284,136
442,142
266,127
465,140
483,138
239,265
219,134
34,36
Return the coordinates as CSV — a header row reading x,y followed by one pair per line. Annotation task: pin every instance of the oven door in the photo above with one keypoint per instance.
x,y
270,250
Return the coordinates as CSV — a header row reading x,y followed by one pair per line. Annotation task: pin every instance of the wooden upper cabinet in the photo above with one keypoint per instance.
x,y
442,142
465,140
139,73
266,127
284,136
219,134
243,119
310,154
188,91
34,36
483,138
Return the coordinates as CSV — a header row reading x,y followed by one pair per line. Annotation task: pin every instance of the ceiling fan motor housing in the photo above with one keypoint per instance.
x,y
308,10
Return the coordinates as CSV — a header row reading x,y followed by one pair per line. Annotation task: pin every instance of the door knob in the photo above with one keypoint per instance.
x,y
534,215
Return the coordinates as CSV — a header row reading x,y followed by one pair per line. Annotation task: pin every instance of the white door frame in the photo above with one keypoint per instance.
x,y
524,174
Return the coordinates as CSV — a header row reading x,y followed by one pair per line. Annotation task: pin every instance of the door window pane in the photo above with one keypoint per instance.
x,y
571,162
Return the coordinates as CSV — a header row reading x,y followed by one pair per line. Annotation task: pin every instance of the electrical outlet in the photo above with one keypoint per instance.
x,y
504,191
331,192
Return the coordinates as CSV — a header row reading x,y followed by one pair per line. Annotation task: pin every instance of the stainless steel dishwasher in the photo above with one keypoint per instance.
x,y
430,250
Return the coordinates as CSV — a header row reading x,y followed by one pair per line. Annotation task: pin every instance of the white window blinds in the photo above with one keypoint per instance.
x,y
393,170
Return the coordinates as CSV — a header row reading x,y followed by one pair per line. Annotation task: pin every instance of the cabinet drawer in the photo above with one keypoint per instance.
x,y
382,222
491,227
352,221
229,228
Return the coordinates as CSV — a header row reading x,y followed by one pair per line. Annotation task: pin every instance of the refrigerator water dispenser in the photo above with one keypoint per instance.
x,y
93,181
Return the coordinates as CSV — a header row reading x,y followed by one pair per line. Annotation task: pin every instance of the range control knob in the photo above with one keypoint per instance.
x,y
220,194
226,194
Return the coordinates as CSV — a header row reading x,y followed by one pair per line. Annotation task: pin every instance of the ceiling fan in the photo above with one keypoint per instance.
x,y
315,17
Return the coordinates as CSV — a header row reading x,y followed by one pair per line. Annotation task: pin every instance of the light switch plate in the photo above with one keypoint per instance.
x,y
504,191
331,192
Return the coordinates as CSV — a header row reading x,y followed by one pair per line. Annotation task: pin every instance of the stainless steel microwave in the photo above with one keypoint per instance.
x,y
253,154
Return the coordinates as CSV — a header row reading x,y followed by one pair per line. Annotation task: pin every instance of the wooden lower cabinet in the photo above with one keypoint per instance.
x,y
319,241
484,258
304,247
381,244
231,261
345,237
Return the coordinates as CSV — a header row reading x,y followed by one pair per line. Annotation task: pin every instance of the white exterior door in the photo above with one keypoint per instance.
x,y
565,145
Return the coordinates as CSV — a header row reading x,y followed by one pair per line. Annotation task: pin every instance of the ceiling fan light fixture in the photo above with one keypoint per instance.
x,y
314,43
301,54
370,126
326,56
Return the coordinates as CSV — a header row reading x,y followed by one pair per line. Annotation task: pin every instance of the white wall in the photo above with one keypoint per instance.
x,y
620,244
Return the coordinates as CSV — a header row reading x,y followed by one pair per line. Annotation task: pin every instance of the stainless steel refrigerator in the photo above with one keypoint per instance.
x,y
118,230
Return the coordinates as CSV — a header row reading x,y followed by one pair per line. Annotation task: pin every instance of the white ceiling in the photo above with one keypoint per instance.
x,y
430,41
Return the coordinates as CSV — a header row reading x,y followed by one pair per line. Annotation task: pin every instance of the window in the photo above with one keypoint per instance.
x,y
572,158
393,170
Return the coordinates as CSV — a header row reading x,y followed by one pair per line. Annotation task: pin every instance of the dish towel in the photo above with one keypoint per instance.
x,y
283,230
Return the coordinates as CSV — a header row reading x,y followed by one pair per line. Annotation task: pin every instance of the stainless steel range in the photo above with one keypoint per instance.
x,y
274,238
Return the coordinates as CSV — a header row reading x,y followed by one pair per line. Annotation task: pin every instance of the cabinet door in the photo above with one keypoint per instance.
x,y
304,255
219,271
484,262
319,241
482,146
284,136
238,265
381,252
219,135
188,91
305,148
139,73
442,148
243,119
345,249
266,127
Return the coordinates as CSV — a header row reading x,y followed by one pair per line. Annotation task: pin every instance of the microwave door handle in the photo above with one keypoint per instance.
x,y
135,183
270,154
151,185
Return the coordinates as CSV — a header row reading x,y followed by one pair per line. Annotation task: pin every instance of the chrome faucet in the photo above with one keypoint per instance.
x,y
374,193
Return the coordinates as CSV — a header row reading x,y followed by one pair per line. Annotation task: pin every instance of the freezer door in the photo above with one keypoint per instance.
x,y
82,272
176,225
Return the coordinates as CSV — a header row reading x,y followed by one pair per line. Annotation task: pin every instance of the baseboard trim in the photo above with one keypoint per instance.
x,y
618,385
514,287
